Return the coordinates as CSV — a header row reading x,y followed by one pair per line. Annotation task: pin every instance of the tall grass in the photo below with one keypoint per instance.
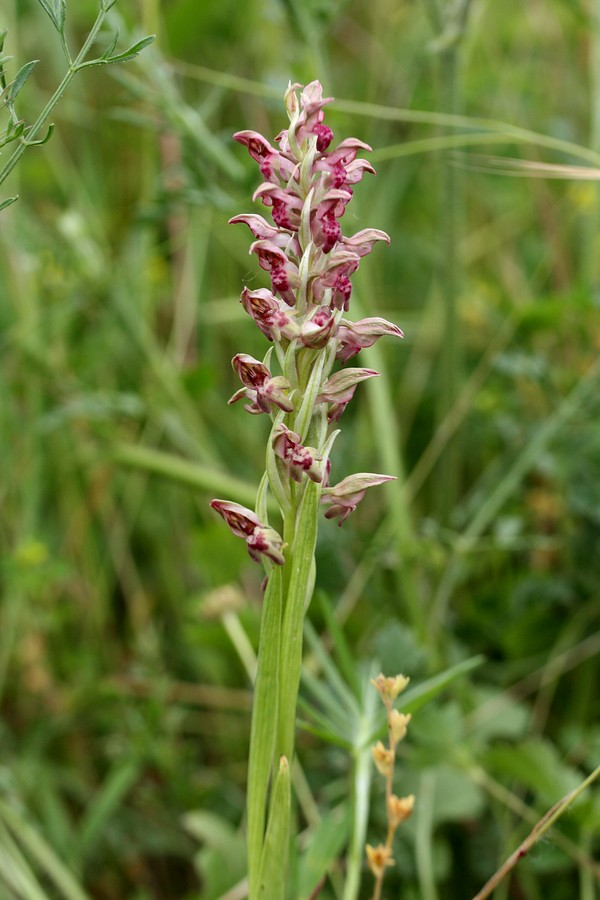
x,y
123,672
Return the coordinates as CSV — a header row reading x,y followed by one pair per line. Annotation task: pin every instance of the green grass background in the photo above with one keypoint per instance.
x,y
125,693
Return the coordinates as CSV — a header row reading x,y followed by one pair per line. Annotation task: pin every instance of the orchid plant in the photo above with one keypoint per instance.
x,y
306,187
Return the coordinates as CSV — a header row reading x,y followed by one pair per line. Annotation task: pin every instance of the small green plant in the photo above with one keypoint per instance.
x,y
16,131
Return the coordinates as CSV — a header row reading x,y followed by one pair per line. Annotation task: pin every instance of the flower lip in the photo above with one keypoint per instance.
x,y
241,520
260,387
258,146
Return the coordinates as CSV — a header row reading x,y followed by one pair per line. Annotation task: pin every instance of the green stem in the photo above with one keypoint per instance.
x,y
300,570
264,725
538,831
450,370
448,474
424,848
361,786
47,110
592,217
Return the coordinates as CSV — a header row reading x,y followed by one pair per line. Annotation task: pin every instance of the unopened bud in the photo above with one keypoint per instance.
x,y
383,758
390,687
378,858
398,725
399,809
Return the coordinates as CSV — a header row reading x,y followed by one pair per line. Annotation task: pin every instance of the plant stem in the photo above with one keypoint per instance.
x,y
448,473
538,831
35,129
424,836
361,785
592,217
264,724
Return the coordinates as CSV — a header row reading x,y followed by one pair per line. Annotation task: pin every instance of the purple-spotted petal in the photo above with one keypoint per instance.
x,y
283,272
300,460
261,540
241,520
273,320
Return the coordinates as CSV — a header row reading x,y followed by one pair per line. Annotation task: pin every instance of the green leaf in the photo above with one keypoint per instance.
x,y
3,59
343,697
111,47
106,802
20,79
326,843
423,693
56,10
131,53
273,866
8,201
538,765
41,852
344,656
221,861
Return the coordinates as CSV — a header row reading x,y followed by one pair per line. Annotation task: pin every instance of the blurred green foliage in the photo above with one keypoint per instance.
x,y
125,689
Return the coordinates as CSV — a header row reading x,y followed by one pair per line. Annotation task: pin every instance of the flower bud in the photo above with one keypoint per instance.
x,y
400,809
378,858
356,336
383,758
389,687
345,496
398,724
339,389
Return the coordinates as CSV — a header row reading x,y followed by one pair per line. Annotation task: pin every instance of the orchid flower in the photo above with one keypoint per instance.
x,y
307,185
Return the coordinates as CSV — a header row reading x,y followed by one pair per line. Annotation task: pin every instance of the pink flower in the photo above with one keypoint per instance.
x,y
261,229
325,228
260,539
318,329
355,336
260,387
335,276
270,315
284,273
300,460
347,494
274,166
363,241
286,205
339,389
306,119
